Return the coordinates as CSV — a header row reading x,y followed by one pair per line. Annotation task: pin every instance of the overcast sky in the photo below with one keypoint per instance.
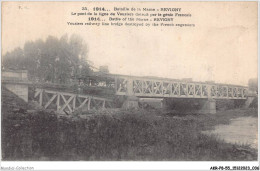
x,y
221,47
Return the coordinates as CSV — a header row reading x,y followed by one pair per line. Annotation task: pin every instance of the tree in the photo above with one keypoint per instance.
x,y
14,59
54,60
32,52
253,84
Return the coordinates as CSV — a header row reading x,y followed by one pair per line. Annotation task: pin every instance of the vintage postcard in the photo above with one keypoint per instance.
x,y
129,81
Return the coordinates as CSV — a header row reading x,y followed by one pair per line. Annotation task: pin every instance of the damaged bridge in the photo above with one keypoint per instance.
x,y
131,87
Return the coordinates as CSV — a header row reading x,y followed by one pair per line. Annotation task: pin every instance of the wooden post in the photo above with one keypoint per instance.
x,y
58,102
89,100
104,103
41,97
74,103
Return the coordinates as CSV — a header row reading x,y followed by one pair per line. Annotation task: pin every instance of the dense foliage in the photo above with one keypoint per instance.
x,y
54,60
253,84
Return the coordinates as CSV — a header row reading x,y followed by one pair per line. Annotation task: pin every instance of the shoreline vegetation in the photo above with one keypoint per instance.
x,y
116,135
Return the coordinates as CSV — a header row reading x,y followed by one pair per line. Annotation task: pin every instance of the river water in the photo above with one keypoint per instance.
x,y
241,130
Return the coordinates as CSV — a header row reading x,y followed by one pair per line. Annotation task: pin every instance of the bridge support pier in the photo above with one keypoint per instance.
x,y
131,103
209,106
17,82
250,98
20,90
248,101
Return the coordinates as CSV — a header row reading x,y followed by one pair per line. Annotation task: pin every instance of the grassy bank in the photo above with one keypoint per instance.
x,y
116,135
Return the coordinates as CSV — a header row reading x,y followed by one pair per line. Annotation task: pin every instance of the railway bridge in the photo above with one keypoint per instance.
x,y
133,87
156,87
169,88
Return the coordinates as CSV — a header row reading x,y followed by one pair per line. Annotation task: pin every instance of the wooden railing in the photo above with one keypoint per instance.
x,y
64,102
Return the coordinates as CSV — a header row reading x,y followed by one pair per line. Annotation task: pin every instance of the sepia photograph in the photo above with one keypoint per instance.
x,y
129,81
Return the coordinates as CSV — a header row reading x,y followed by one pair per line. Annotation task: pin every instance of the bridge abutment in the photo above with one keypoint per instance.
x,y
16,82
250,98
19,89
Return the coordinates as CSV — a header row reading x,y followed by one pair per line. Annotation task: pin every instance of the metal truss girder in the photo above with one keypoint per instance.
x,y
163,88
198,90
167,88
121,85
148,87
191,89
138,86
176,89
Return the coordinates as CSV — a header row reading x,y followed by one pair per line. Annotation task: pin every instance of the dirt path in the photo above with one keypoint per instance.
x,y
241,130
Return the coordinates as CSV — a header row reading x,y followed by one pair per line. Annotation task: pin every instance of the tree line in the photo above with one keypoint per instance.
x,y
53,60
